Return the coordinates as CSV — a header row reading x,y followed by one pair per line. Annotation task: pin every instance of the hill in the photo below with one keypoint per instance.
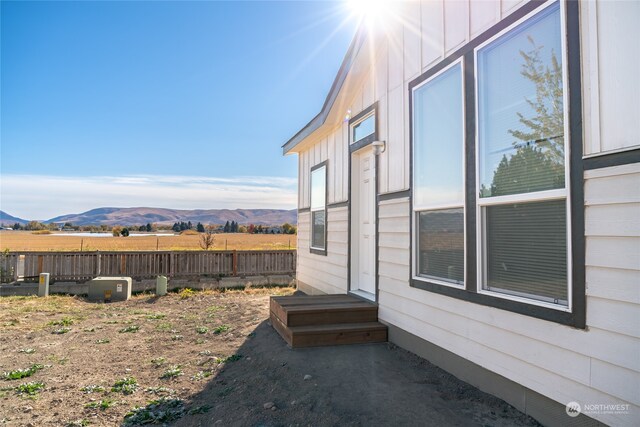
x,y
7,219
137,216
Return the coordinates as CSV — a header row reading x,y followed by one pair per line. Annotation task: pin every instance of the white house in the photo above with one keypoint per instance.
x,y
475,171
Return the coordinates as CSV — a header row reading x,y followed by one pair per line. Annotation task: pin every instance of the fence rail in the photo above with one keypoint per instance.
x,y
79,266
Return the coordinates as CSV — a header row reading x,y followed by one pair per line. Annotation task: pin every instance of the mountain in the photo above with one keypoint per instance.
x,y
7,219
138,216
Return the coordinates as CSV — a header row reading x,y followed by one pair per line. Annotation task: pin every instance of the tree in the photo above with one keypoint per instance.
x,y
149,227
207,239
242,229
17,226
34,226
227,227
124,232
142,228
115,231
176,227
200,228
251,229
288,228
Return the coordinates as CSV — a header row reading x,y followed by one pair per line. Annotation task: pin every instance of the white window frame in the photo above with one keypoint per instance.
x,y
352,127
415,210
323,208
554,194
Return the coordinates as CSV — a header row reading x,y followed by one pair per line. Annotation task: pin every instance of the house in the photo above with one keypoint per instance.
x,y
474,171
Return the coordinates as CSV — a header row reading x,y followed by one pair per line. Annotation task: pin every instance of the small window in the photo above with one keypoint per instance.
x,y
364,128
438,187
319,208
522,199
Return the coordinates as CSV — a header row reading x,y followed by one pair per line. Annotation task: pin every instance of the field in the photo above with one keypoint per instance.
x,y
27,241
211,358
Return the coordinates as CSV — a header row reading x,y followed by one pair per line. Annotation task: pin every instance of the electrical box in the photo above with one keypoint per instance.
x,y
109,289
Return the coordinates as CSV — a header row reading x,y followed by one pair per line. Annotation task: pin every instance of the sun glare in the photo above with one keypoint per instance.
x,y
370,11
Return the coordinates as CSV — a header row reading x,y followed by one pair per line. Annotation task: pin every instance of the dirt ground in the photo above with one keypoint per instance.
x,y
222,363
27,241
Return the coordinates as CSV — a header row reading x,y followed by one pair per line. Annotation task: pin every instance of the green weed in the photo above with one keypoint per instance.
x,y
220,329
173,372
161,411
132,329
103,341
22,373
202,329
158,361
30,388
102,405
61,331
93,388
126,385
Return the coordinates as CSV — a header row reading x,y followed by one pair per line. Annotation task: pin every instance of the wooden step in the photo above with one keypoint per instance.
x,y
324,314
331,334
307,321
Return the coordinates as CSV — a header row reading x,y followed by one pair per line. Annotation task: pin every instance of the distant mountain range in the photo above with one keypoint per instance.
x,y
5,218
139,216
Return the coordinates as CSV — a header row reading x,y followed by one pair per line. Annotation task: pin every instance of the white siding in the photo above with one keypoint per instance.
x,y
327,274
611,93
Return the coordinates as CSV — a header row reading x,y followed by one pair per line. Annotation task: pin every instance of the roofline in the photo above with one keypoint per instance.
x,y
321,117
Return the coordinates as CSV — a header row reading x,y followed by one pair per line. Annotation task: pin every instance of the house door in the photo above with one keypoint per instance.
x,y
363,223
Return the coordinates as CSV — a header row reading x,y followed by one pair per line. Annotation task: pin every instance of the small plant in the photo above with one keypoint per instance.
x,y
158,361
27,350
201,375
220,329
93,388
205,353
156,316
212,310
176,338
89,330
102,405
159,390
59,360
30,388
65,321
202,329
22,373
232,358
173,372
186,293
161,411
163,326
132,329
199,410
200,341
126,385
103,341
78,423
60,331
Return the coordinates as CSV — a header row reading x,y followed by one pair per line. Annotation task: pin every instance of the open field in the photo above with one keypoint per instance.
x,y
211,358
27,241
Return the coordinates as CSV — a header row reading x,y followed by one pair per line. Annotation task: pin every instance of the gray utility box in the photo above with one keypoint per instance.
x,y
109,289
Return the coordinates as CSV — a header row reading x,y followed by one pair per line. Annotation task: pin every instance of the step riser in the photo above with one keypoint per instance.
x,y
327,318
338,338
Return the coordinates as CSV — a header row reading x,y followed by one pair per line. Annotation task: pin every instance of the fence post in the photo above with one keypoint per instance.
x,y
123,264
99,264
235,262
40,263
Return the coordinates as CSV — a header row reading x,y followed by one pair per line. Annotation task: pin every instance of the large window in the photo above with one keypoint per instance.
x,y
522,199
319,208
438,189
497,219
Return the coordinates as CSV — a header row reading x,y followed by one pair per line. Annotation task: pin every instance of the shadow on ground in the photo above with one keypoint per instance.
x,y
356,385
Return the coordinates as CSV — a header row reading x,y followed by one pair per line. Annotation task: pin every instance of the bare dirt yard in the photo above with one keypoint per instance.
x,y
27,241
211,358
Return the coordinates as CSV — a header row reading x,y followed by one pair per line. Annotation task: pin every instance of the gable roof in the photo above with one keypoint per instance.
x,y
321,117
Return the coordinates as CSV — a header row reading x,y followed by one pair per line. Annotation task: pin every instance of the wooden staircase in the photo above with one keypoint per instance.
x,y
320,320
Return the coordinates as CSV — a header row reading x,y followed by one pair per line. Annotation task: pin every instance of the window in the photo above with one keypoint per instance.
x,y
438,188
319,209
497,219
364,128
522,198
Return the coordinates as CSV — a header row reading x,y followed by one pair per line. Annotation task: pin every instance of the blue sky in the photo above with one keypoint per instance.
x,y
165,104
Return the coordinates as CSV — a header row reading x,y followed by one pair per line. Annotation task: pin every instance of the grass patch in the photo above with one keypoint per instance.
x,y
103,341
93,388
18,374
78,423
60,331
202,329
27,350
104,404
156,316
186,293
65,321
201,375
232,358
130,329
159,390
177,338
126,385
163,410
165,326
173,372
30,388
220,329
158,361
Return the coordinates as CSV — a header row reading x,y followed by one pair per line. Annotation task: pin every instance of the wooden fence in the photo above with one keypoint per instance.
x,y
78,266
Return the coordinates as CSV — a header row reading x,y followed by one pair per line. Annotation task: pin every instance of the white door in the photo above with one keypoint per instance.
x,y
363,223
